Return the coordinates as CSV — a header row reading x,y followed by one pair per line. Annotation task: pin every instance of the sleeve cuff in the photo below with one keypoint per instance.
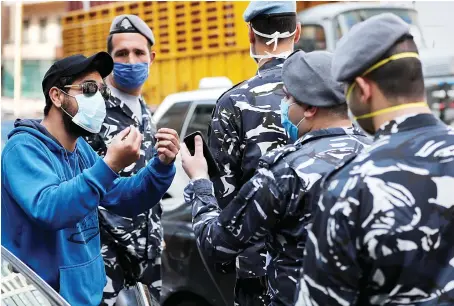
x,y
203,187
157,167
103,173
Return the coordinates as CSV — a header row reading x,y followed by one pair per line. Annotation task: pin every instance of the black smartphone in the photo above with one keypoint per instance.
x,y
213,169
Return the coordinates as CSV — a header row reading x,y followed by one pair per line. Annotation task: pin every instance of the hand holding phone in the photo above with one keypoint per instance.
x,y
197,159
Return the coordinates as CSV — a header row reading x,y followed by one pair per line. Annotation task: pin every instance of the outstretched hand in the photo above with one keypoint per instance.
x,y
195,166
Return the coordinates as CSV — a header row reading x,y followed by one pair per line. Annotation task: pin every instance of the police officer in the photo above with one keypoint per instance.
x,y
383,230
131,248
246,124
276,203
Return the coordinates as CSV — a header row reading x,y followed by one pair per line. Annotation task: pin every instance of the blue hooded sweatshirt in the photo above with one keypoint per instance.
x,y
50,198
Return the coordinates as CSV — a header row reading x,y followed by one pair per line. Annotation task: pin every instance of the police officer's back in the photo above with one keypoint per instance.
x,y
246,122
383,230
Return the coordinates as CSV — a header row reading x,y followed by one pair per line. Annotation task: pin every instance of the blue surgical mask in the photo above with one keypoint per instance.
x,y
291,129
130,76
91,112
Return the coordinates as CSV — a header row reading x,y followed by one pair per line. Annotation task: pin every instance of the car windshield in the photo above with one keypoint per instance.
x,y
348,19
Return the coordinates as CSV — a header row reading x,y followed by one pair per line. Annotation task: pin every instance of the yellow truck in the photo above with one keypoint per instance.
x,y
194,39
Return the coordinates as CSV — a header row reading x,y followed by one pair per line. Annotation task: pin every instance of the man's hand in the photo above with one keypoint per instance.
x,y
168,145
196,166
124,149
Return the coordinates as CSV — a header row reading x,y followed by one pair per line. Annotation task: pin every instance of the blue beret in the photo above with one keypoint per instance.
x,y
307,78
131,24
256,8
365,44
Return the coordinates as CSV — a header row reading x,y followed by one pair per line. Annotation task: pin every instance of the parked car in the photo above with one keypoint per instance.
x,y
21,286
188,278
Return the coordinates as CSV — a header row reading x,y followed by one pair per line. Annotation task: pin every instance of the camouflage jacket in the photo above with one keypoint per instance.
x,y
383,232
141,236
246,124
275,205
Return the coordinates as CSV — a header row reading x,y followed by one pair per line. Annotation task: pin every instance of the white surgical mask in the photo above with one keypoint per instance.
x,y
91,113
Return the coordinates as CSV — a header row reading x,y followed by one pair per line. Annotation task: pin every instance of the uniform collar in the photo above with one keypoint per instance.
x,y
116,102
271,64
406,123
113,102
330,132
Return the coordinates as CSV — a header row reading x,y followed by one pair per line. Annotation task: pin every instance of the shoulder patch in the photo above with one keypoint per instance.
x,y
272,157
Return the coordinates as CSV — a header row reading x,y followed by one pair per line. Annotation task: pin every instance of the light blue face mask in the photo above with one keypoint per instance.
x,y
291,129
91,113
130,76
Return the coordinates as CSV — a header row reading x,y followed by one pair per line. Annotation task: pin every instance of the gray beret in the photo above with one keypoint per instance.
x,y
256,8
307,78
365,44
131,24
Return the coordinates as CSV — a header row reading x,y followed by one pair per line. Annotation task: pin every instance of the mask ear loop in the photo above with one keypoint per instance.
x,y
274,38
62,108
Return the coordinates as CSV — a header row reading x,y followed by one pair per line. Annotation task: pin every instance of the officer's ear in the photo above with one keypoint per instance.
x,y
251,34
297,33
152,56
310,111
56,96
364,89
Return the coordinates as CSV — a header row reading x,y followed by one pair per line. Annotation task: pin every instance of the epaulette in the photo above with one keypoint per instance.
x,y
274,156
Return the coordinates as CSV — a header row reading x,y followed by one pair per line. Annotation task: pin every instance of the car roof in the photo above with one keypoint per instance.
x,y
331,10
206,95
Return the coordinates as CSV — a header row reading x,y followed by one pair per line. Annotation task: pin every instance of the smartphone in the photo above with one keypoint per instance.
x,y
213,169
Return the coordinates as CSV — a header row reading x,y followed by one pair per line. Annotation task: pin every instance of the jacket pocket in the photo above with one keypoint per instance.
x,y
83,284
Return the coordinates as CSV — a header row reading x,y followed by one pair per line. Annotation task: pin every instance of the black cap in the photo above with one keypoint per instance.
x,y
75,64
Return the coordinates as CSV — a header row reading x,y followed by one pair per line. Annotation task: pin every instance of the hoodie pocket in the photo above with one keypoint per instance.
x,y
83,284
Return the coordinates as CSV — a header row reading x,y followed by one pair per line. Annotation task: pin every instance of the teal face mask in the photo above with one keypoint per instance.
x,y
291,129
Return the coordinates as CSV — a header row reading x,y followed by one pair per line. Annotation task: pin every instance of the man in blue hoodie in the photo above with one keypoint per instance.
x,y
53,181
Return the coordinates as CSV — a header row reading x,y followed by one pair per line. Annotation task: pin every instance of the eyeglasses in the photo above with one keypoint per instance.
x,y
89,88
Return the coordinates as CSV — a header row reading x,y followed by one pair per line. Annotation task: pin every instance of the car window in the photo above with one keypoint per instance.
x,y
312,38
174,117
351,18
200,119
22,287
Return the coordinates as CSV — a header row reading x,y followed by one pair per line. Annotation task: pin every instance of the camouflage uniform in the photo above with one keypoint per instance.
x,y
246,124
275,206
383,233
131,248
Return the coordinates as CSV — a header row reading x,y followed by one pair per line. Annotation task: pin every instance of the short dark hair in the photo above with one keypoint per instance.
x,y
275,23
110,44
340,111
402,78
61,83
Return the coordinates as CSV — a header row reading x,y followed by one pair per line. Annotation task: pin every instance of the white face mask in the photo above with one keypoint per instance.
x,y
91,113
273,39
